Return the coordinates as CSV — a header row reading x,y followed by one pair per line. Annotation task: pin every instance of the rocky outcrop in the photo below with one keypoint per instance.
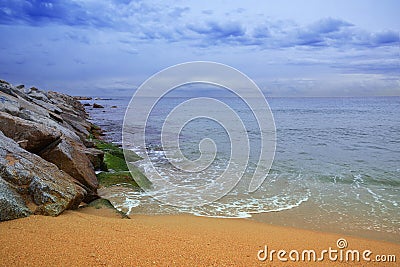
x,y
38,181
46,159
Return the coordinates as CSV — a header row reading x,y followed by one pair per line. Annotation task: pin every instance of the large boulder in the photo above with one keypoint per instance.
x,y
34,136
38,181
70,157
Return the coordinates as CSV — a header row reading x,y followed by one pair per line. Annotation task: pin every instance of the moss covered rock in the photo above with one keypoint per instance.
x,y
118,172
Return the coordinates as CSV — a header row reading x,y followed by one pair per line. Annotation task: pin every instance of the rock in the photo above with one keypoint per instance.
x,y
39,181
27,90
87,105
96,157
4,82
7,89
95,105
70,157
81,127
9,104
39,95
82,98
113,106
34,136
47,105
23,144
22,108
19,102
12,205
24,89
68,104
47,161
53,121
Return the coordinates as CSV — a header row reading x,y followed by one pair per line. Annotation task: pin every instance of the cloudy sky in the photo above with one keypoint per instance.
x,y
289,48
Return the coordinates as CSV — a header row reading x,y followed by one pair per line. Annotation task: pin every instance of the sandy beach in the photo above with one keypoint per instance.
x,y
95,237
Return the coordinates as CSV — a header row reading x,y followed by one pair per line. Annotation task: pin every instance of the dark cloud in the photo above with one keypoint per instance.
x,y
386,38
216,30
325,32
328,25
37,13
154,22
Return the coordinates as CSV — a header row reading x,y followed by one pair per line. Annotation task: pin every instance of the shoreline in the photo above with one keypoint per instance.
x,y
96,237
293,218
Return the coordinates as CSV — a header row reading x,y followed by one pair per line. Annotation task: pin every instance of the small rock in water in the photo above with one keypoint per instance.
x,y
95,105
113,106
87,104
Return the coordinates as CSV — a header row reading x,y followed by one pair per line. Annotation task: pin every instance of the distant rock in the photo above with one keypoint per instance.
x,y
95,105
114,107
83,98
87,104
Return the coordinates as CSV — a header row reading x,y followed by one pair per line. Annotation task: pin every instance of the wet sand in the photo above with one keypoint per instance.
x,y
92,237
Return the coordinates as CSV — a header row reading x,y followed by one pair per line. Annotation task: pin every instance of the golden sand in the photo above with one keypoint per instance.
x,y
96,238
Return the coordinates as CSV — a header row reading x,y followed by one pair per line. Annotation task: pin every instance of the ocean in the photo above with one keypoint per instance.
x,y
336,166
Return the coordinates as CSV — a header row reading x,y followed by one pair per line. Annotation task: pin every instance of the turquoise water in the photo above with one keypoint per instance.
x,y
336,165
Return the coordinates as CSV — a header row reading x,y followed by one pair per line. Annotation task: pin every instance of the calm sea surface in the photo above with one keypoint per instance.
x,y
336,167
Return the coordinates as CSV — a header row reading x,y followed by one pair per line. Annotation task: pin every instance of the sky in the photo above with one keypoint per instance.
x,y
289,48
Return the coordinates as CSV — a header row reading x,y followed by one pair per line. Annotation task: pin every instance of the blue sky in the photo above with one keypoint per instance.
x,y
289,48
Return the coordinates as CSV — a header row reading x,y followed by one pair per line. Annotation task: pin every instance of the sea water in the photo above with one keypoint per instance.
x,y
336,166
